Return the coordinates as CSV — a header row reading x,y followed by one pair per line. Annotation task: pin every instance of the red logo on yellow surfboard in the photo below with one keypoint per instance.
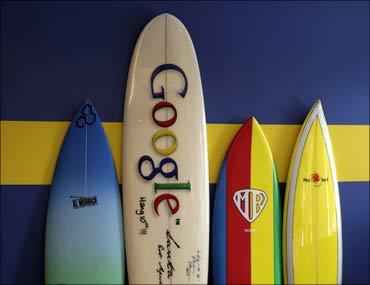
x,y
250,203
316,179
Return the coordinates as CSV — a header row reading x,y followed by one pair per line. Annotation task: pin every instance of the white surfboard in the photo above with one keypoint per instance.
x,y
165,164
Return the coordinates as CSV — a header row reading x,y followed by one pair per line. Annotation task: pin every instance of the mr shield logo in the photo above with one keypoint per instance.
x,y
250,203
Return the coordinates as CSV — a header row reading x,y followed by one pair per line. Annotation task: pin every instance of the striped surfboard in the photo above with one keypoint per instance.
x,y
312,235
246,244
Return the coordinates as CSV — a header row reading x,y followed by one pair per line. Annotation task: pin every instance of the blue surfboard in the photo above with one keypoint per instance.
x,y
84,232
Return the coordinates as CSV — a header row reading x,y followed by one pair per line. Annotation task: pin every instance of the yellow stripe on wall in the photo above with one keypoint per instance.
x,y
29,149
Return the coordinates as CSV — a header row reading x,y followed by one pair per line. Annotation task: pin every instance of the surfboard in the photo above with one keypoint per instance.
x,y
84,235
246,225
312,234
165,170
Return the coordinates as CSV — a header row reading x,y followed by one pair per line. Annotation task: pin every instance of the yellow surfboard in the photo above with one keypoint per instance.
x,y
312,234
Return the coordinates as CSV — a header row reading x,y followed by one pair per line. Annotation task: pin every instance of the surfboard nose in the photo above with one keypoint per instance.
x,y
86,114
88,101
317,105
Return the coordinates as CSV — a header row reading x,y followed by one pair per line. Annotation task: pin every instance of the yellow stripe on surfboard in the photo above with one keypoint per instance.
x,y
29,149
262,237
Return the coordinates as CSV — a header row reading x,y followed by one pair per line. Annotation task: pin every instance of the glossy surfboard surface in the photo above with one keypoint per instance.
x,y
246,226
312,235
84,235
165,170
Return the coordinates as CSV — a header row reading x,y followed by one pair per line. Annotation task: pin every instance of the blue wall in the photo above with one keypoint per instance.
x,y
286,54
269,59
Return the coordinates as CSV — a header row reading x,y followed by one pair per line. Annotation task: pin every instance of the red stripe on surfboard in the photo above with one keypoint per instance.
x,y
238,251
